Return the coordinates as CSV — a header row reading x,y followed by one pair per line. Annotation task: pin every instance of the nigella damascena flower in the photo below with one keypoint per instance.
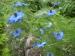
x,y
17,32
51,12
40,45
20,4
17,17
59,35
56,4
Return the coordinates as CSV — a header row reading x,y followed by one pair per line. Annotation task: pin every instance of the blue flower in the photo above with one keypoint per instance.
x,y
17,32
59,35
41,44
51,12
17,17
56,4
50,54
20,4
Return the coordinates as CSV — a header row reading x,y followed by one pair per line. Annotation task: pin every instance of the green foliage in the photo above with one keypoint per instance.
x,y
35,18
69,8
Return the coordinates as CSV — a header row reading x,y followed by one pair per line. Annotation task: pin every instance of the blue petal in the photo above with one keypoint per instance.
x,y
51,12
41,45
11,19
56,4
17,32
20,4
17,17
59,35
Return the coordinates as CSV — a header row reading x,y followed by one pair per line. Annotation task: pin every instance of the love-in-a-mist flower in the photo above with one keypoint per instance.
x,y
20,4
17,32
17,17
51,12
41,44
59,35
56,4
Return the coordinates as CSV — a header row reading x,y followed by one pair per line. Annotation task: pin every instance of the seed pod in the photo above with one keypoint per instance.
x,y
29,41
33,52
